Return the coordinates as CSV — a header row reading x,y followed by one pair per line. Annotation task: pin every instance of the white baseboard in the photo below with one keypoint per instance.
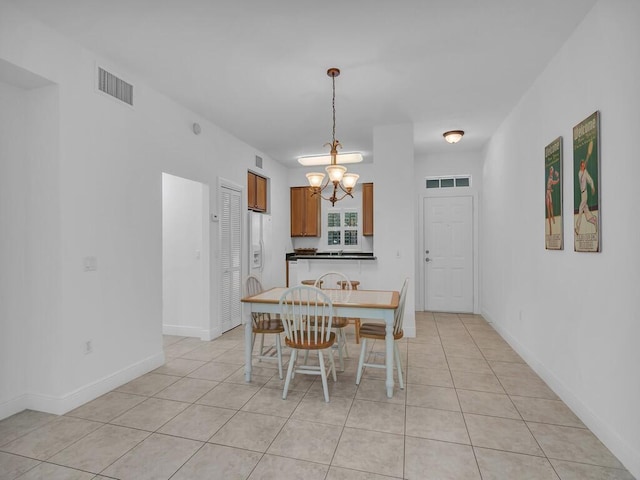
x,y
13,406
65,403
410,332
197,332
607,435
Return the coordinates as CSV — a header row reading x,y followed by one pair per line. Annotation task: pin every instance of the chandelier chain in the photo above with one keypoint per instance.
x,y
333,105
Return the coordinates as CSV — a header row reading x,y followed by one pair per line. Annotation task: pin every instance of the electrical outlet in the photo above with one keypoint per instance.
x,y
88,347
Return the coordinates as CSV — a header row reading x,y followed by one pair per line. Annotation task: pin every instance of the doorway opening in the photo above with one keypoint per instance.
x,y
185,258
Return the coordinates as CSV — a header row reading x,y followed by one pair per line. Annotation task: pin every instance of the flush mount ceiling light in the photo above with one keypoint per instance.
x,y
453,136
310,160
337,174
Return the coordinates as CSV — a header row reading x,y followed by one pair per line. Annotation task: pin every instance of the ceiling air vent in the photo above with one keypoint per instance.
x,y
114,86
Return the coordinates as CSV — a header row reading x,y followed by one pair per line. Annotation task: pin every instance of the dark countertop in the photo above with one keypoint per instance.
x,y
332,256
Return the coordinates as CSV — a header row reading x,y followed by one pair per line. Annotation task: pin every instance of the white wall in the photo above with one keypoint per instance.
x,y
573,316
185,268
14,300
95,189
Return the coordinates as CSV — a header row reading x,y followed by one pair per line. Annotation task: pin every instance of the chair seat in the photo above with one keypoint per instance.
x,y
307,342
377,331
268,326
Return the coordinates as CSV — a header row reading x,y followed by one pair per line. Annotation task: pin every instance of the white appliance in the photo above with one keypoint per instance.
x,y
260,232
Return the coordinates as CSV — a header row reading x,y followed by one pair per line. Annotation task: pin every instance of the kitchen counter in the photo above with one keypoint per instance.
x,y
332,256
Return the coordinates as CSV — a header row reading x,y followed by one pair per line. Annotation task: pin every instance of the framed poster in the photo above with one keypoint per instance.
x,y
586,184
553,234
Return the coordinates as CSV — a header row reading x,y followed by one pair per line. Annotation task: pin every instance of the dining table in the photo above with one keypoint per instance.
x,y
370,304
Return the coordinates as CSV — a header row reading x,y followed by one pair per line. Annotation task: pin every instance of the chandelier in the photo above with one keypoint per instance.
x,y
343,182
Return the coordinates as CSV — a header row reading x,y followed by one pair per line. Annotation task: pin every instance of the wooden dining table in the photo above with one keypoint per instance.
x,y
369,304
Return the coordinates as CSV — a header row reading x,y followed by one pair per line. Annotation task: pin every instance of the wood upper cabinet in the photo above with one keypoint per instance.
x,y
367,209
305,213
257,192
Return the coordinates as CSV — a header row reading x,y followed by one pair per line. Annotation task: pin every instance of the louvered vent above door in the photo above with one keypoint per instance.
x,y
114,86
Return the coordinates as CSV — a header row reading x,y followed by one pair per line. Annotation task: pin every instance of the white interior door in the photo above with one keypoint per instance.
x,y
230,252
448,244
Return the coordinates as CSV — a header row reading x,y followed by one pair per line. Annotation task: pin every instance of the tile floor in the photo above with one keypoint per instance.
x,y
472,409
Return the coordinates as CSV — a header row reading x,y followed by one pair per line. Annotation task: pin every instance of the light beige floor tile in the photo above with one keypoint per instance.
x,y
11,466
511,369
148,384
300,383
100,448
171,339
485,403
505,354
179,367
197,422
313,408
497,465
501,434
438,377
179,348
205,353
48,471
432,460
344,387
476,381
256,380
250,431
432,397
217,462
436,425
158,457
269,402
376,390
527,387
467,351
415,348
382,417
52,437
186,390
229,395
469,364
22,423
542,410
337,473
580,471
271,467
215,371
309,441
232,357
107,407
427,360
151,414
370,451
573,444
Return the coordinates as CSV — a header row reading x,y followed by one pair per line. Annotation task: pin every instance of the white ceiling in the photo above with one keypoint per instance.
x,y
257,68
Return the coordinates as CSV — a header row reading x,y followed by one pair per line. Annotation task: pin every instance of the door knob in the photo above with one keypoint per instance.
x,y
427,259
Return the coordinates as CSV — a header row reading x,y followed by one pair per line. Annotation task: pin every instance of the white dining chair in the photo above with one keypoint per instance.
x,y
338,287
307,315
264,324
377,331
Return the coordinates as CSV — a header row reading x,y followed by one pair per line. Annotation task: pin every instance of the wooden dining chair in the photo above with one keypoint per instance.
x,y
356,321
307,315
377,331
264,324
338,287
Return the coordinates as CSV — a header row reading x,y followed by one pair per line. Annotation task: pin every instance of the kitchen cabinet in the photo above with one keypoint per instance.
x,y
305,213
257,192
367,209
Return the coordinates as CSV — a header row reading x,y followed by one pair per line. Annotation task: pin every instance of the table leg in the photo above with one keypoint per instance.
x,y
248,332
388,340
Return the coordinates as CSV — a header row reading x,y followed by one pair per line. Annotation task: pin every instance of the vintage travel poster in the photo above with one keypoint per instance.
x,y
586,184
553,195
